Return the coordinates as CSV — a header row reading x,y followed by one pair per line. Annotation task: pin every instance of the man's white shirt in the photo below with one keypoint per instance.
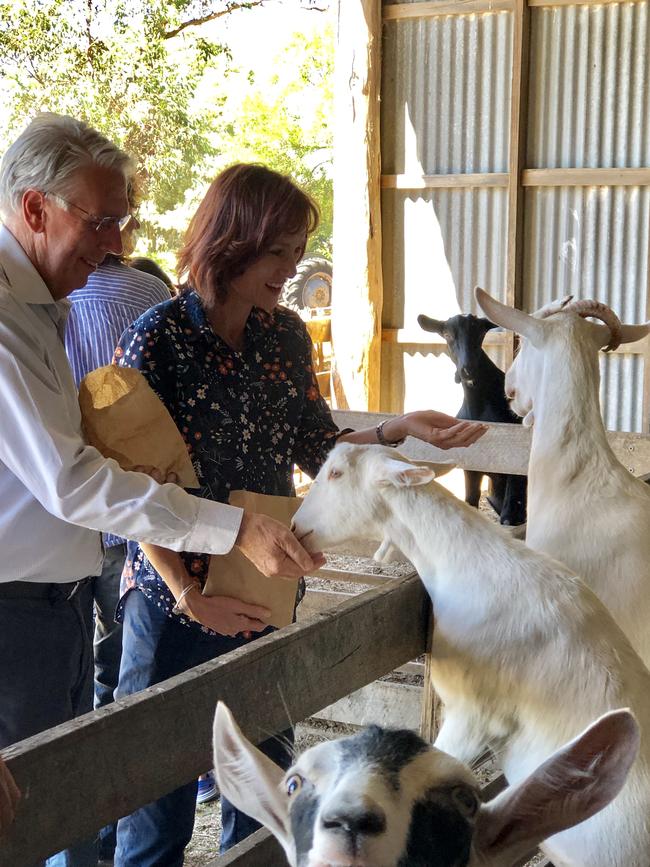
x,y
56,492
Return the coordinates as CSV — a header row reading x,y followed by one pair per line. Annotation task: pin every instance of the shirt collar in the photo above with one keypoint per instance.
x,y
23,280
257,326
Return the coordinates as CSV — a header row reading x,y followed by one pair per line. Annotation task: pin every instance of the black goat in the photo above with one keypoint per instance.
x,y
485,400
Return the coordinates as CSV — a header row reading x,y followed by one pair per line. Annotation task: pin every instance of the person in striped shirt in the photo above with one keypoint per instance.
x,y
114,297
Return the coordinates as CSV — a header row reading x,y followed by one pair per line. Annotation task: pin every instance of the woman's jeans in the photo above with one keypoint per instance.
x,y
154,648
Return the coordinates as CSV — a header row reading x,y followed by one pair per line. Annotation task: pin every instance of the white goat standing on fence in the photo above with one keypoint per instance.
x,y
584,506
523,653
385,798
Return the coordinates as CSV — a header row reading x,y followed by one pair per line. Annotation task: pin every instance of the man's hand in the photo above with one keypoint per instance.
x,y
273,548
437,428
9,797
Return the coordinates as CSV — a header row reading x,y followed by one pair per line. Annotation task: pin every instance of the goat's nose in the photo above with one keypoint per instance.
x,y
292,526
355,821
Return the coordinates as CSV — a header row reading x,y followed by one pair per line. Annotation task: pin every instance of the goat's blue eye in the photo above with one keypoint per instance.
x,y
294,784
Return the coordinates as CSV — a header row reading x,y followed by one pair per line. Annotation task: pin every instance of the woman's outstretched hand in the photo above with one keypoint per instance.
x,y
437,428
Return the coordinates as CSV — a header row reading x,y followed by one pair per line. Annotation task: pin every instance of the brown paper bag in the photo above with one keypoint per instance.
x,y
124,419
233,575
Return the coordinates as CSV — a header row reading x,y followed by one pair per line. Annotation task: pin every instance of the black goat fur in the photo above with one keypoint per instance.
x,y
484,400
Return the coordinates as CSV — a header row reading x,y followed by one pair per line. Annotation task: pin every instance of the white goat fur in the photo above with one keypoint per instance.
x,y
523,652
322,808
584,506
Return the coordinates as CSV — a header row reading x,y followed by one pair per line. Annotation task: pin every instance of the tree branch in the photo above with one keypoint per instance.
x,y
196,22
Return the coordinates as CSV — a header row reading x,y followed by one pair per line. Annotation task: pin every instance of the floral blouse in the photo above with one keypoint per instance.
x,y
246,417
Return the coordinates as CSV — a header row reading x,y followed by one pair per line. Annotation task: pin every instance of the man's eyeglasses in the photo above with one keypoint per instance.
x,y
98,224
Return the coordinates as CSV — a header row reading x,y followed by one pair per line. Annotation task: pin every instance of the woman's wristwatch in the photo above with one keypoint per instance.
x,y
381,439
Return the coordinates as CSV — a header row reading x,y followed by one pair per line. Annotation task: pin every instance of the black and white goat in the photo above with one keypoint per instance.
x,y
523,654
483,400
386,798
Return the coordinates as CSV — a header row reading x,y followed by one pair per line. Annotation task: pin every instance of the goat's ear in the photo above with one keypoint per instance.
x,y
440,468
428,324
249,779
511,318
401,474
629,333
487,324
632,333
573,784
553,307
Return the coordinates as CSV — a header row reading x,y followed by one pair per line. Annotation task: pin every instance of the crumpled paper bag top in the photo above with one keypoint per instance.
x,y
124,419
233,575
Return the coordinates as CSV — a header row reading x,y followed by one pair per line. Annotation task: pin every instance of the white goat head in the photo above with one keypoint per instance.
x,y
386,798
346,500
563,324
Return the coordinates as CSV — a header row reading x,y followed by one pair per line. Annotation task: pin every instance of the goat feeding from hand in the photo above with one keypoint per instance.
x,y
483,400
585,508
386,798
524,655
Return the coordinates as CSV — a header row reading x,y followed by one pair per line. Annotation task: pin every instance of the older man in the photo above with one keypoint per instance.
x,y
63,199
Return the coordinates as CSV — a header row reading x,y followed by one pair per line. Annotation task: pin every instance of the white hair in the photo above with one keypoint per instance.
x,y
49,152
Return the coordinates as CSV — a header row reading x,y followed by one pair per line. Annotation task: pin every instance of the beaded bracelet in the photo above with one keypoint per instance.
x,y
381,439
177,607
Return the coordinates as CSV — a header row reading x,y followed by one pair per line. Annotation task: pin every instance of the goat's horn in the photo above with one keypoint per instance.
x,y
600,311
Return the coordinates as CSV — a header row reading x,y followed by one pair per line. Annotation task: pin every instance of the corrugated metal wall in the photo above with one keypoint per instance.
x,y
446,92
589,86
589,108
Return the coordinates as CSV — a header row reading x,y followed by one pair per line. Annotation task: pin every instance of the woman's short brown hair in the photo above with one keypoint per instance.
x,y
247,207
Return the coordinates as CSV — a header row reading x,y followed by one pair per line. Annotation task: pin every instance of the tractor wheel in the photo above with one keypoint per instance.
x,y
311,287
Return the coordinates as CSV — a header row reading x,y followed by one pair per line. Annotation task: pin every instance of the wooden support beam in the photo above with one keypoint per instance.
x,y
517,161
505,448
565,177
356,316
143,746
404,11
553,3
413,337
586,177
434,182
